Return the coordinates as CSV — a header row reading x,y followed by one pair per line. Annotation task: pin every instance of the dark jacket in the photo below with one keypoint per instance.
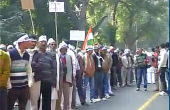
x,y
115,59
80,61
44,67
97,63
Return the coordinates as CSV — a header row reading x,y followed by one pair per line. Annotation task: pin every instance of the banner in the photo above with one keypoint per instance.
x,y
27,4
77,35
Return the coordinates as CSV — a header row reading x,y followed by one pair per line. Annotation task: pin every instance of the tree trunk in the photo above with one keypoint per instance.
x,y
113,37
82,19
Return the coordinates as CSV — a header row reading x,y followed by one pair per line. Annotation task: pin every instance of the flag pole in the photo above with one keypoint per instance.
x,y
77,43
56,24
32,22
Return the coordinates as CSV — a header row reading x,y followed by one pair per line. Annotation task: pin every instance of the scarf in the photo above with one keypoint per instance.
x,y
58,71
69,69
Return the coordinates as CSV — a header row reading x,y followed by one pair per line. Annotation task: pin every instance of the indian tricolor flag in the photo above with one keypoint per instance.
x,y
89,40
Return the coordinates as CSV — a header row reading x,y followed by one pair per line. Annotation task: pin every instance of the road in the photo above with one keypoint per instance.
x,y
128,99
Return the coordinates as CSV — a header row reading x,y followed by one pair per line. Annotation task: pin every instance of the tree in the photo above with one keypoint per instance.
x,y
137,18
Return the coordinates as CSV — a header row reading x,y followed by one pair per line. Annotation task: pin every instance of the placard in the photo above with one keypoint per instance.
x,y
77,35
27,4
56,6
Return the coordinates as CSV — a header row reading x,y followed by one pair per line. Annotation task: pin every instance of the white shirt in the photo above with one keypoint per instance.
x,y
74,61
168,57
162,59
126,61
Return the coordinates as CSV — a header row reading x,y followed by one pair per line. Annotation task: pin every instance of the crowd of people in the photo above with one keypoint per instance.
x,y
35,69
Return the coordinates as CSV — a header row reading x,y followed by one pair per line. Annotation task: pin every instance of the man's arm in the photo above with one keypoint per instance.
x,y
6,70
9,86
30,74
162,55
54,71
110,61
124,62
81,64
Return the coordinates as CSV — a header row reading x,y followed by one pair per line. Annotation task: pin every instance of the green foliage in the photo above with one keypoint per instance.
x,y
121,21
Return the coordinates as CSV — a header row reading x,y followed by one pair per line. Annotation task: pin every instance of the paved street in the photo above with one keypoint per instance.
x,y
128,99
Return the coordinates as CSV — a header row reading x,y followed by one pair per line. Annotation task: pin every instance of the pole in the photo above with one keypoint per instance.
x,y
32,23
136,36
77,43
56,25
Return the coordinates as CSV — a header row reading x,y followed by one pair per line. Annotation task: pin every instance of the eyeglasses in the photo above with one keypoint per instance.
x,y
53,44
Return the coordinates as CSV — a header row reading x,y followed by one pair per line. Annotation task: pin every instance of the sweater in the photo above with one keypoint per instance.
x,y
98,62
140,61
126,61
115,59
18,75
162,59
89,65
107,62
67,68
4,68
44,67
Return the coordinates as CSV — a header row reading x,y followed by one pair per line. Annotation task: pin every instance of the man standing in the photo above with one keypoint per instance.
x,y
67,79
4,76
20,73
89,69
34,86
79,80
126,68
155,65
114,67
55,91
162,67
167,73
141,63
44,68
98,76
106,65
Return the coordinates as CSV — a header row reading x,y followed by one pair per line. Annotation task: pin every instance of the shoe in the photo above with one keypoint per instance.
x,y
107,96
97,100
162,93
156,90
93,101
130,84
145,89
84,104
104,99
115,88
138,89
16,104
111,94
74,107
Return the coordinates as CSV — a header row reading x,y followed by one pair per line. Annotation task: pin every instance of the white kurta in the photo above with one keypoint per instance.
x,y
151,75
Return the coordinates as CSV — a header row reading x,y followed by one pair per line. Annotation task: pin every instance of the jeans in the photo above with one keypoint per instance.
x,y
89,80
113,77
3,98
98,84
142,72
79,84
106,83
163,79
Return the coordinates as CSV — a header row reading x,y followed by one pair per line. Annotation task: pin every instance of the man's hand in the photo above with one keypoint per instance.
x,y
70,84
157,71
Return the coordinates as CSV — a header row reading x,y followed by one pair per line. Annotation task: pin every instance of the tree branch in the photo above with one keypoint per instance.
x,y
96,28
69,10
126,5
